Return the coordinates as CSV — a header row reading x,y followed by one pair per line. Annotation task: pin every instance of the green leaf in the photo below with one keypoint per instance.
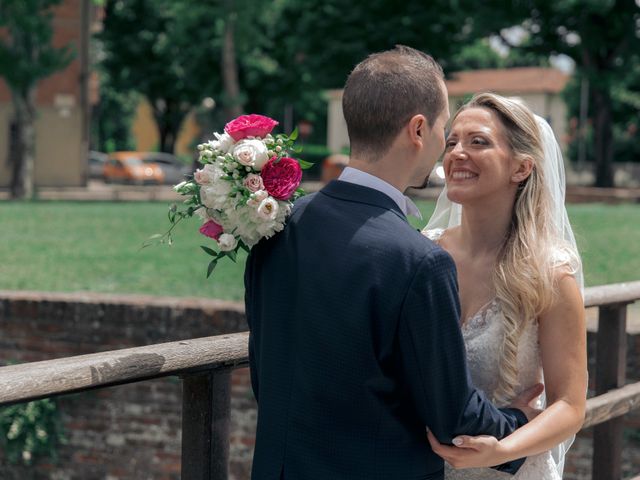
x,y
305,165
212,265
208,250
297,194
244,247
294,134
232,255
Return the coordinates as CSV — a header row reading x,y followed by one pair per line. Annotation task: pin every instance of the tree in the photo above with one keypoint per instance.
x,y
312,45
113,117
177,53
167,51
480,55
601,36
26,57
625,104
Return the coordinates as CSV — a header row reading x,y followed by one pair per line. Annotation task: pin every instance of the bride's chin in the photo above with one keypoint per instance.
x,y
456,196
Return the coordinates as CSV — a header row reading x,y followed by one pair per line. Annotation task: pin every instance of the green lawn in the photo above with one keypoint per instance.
x,y
67,246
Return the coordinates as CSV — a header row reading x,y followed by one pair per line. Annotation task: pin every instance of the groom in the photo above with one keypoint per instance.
x,y
355,346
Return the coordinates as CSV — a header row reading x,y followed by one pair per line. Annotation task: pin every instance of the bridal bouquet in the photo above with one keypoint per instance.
x,y
245,188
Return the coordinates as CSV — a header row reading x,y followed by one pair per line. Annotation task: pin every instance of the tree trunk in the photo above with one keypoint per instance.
x,y
169,116
603,138
22,151
233,102
167,137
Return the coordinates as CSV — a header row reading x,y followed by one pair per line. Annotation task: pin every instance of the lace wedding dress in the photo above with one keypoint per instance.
x,y
481,333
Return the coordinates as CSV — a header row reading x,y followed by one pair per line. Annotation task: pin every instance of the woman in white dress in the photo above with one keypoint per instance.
x,y
503,220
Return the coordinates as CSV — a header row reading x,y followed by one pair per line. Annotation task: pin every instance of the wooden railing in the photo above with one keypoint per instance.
x,y
613,399
205,366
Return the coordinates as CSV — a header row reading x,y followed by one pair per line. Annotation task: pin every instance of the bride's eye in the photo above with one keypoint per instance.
x,y
479,141
450,144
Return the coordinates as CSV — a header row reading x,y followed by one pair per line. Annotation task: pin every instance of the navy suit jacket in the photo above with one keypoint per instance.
x,y
355,345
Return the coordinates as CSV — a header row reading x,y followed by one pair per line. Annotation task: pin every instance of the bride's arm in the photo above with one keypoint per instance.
x,y
562,337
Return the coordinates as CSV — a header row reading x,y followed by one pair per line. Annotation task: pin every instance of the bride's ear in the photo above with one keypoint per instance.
x,y
522,170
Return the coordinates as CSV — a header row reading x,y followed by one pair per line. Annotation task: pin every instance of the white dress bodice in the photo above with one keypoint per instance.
x,y
483,333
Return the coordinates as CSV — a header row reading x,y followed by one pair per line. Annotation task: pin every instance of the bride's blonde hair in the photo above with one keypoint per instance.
x,y
523,277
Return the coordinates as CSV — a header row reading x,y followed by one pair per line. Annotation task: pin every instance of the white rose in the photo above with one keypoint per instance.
x,y
251,153
224,142
268,209
256,198
208,174
253,182
215,196
227,242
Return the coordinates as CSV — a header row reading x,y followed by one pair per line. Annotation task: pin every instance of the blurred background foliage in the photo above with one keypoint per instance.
x,y
279,57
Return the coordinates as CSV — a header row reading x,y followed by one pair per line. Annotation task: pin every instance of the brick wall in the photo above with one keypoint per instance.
x,y
130,431
133,431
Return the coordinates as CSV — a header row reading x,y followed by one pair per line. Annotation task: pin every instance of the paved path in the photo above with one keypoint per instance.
x,y
97,190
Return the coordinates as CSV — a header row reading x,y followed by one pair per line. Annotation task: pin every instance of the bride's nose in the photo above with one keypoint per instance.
x,y
457,152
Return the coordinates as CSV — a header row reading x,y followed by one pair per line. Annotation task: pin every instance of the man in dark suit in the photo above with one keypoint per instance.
x,y
355,345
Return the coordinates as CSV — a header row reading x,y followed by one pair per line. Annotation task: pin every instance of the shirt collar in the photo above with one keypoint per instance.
x,y
353,175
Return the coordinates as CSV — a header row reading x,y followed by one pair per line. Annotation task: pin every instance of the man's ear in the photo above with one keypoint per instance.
x,y
523,169
418,129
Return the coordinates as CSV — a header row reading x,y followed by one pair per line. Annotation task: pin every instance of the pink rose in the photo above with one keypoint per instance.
x,y
253,182
250,126
281,178
211,229
200,177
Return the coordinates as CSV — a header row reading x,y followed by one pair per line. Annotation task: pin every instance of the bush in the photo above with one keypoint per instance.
x,y
30,430
314,154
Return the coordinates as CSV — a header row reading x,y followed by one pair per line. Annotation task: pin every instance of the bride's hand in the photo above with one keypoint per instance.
x,y
468,452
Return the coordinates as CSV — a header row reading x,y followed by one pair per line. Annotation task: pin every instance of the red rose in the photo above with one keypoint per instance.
x,y
250,126
211,229
281,177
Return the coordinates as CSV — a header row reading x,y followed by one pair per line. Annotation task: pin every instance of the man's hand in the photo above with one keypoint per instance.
x,y
523,401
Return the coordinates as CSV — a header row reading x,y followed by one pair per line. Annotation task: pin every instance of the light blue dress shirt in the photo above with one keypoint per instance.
x,y
353,175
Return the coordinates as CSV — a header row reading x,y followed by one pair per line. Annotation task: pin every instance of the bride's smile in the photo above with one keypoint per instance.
x,y
478,159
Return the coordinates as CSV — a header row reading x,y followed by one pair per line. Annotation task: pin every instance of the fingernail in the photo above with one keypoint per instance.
x,y
457,441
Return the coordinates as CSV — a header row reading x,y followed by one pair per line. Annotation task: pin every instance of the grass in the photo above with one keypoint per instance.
x,y
64,246
67,246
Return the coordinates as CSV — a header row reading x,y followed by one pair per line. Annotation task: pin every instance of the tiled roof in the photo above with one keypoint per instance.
x,y
508,80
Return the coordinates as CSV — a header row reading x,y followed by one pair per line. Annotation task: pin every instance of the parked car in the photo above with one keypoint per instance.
x,y
129,167
174,170
96,162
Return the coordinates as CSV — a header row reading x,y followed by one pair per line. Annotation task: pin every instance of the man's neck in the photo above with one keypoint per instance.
x,y
385,169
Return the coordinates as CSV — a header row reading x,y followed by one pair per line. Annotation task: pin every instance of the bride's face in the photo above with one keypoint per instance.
x,y
478,161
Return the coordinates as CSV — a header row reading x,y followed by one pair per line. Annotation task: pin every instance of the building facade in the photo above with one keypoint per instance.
x,y
540,88
62,102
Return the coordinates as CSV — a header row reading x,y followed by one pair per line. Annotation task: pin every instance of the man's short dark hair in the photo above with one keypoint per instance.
x,y
384,91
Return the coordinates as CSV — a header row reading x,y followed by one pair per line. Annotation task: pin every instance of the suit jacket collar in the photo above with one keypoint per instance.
x,y
352,192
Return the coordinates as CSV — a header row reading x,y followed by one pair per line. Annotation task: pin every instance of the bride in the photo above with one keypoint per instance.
x,y
502,219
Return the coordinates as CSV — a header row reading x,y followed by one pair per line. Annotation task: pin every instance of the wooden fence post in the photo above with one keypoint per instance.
x,y
611,359
206,413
